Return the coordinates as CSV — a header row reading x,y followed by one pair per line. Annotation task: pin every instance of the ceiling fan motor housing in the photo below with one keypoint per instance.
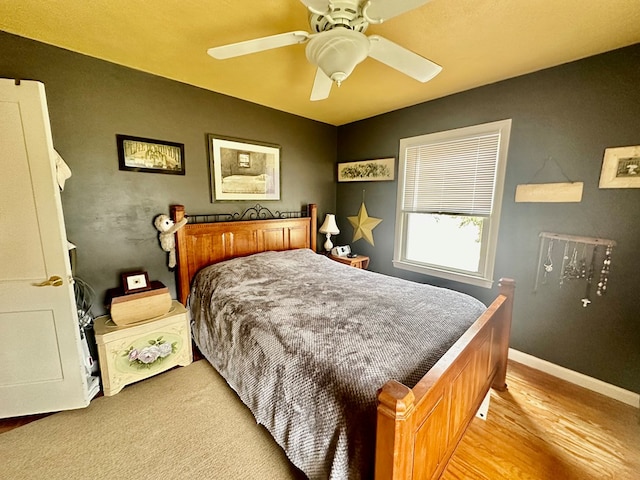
x,y
340,13
336,52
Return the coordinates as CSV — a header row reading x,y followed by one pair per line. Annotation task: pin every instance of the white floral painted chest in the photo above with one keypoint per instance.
x,y
134,352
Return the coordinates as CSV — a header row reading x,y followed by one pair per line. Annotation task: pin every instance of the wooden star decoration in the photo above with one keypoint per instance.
x,y
363,225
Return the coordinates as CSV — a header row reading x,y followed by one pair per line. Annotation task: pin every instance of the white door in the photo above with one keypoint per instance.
x,y
40,352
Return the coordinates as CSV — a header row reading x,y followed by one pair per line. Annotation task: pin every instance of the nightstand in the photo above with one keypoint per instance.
x,y
137,351
361,261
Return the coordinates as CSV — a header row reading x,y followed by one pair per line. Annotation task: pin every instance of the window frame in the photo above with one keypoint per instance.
x,y
488,249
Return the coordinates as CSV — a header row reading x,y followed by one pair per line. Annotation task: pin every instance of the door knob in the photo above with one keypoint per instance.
x,y
54,281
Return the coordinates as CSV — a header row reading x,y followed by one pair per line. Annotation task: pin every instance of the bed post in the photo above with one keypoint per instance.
x,y
312,211
177,214
507,288
394,432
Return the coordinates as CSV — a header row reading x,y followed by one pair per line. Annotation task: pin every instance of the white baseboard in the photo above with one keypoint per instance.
x,y
593,384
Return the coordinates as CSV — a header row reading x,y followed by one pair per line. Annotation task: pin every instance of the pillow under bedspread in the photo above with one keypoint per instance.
x,y
306,342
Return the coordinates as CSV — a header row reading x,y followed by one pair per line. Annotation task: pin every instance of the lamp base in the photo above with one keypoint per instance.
x,y
328,245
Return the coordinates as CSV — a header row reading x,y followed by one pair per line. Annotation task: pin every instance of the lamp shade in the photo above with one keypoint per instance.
x,y
329,226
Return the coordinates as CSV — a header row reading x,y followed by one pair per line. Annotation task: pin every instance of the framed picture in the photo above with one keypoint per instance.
x,y
367,170
243,169
621,168
134,282
138,154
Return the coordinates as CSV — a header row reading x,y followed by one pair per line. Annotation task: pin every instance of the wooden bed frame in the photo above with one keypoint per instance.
x,y
418,428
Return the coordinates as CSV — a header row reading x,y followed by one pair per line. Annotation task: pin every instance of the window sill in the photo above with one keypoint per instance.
x,y
448,275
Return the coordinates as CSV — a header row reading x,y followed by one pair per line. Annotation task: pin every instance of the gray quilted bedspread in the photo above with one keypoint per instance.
x,y
306,342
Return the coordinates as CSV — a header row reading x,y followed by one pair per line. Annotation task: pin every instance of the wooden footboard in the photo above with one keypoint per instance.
x,y
418,429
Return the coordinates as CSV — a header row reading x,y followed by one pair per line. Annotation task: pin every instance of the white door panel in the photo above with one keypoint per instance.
x,y
15,201
42,368
39,347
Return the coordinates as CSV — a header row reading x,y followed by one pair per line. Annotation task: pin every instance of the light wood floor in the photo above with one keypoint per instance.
x,y
544,428
541,428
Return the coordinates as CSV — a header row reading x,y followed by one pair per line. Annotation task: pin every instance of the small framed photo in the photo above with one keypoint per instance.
x,y
367,170
243,169
138,154
134,282
621,168
244,160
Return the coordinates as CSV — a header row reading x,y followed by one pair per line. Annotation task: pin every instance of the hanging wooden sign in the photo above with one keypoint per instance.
x,y
550,192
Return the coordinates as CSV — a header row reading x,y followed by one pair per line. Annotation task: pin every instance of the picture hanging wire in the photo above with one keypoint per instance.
x,y
544,165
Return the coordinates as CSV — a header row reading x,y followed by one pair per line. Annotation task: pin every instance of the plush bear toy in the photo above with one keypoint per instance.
x,y
167,228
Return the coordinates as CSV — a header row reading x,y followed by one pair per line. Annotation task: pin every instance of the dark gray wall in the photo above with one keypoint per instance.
x,y
570,113
108,212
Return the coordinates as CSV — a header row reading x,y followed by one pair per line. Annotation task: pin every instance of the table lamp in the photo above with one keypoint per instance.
x,y
329,228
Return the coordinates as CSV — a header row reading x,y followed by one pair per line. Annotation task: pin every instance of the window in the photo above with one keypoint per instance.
x,y
449,196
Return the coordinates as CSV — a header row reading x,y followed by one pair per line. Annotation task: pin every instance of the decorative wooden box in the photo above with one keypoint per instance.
x,y
131,353
135,307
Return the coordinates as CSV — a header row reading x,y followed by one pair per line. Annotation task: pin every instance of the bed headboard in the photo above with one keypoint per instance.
x,y
201,244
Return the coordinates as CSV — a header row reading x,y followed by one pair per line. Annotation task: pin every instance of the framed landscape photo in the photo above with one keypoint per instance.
x,y
367,170
243,169
621,168
139,154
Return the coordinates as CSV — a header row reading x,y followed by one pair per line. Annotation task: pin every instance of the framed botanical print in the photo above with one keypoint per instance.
x,y
621,168
379,170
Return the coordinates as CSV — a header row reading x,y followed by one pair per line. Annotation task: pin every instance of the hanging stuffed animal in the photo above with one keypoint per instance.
x,y
167,228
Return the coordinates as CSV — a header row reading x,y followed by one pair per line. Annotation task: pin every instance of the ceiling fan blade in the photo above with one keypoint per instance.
x,y
317,6
403,60
321,86
378,11
258,45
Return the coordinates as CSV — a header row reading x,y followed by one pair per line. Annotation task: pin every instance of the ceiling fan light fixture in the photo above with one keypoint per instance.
x,y
337,52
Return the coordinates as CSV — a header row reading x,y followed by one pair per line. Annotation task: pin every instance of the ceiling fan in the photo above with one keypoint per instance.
x,y
338,43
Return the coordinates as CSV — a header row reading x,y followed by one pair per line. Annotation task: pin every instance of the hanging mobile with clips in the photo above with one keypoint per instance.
x,y
571,269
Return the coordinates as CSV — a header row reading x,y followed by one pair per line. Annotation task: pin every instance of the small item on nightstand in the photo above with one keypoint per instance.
x,y
341,251
352,255
135,282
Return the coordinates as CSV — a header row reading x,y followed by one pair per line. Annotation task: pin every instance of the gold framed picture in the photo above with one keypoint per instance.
x,y
138,154
621,168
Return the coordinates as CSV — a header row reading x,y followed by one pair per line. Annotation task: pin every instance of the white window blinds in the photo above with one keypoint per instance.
x,y
455,176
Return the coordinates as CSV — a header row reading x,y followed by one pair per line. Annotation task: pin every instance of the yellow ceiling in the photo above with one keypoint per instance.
x,y
477,42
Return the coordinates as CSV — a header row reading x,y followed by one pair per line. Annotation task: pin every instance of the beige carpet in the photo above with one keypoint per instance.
x,y
183,424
